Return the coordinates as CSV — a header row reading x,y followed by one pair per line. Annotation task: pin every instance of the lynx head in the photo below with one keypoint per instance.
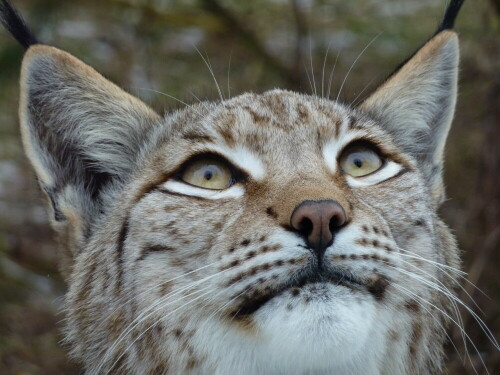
x,y
269,233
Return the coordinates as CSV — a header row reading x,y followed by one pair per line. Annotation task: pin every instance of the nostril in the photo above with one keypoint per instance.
x,y
305,226
336,222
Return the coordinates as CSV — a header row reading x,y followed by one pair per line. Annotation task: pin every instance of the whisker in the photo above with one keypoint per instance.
x,y
353,103
164,94
220,309
312,66
354,63
152,325
453,302
461,274
450,295
455,282
146,313
127,301
436,320
323,71
228,76
330,78
308,78
452,320
207,63
412,296
203,103
441,266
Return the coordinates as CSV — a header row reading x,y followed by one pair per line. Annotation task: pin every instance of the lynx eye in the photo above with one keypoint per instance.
x,y
358,161
208,173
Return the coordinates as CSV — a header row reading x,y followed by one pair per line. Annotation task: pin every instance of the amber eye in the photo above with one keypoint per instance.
x,y
208,173
358,161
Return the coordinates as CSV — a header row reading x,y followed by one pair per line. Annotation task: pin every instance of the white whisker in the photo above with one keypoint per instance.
x,y
453,302
312,66
354,63
164,94
147,312
451,296
152,325
323,71
353,103
330,78
412,296
161,283
228,76
203,103
442,270
308,78
435,319
397,286
445,268
207,63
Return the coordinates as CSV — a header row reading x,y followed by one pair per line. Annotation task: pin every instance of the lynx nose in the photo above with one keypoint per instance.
x,y
317,222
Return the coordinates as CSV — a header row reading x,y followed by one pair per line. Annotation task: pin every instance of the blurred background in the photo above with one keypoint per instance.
x,y
152,47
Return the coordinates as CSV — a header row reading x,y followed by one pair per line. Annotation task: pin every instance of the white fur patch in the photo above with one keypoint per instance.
x,y
244,159
333,331
332,148
234,191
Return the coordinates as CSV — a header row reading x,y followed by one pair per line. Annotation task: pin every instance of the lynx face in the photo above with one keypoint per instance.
x,y
273,233
237,272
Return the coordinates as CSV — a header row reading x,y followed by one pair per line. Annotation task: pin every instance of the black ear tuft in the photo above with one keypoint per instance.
x,y
450,15
15,25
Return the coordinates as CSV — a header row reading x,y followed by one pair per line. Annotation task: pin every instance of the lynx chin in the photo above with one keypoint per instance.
x,y
273,233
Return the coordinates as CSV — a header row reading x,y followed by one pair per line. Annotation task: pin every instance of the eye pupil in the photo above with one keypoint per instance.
x,y
358,163
208,175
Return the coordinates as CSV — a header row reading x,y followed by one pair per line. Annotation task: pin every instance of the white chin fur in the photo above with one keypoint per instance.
x,y
317,334
338,335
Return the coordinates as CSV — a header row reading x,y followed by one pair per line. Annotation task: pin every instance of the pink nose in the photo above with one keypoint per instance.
x,y
317,222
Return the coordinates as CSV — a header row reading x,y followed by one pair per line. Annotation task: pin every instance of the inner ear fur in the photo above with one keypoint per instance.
x,y
416,105
81,133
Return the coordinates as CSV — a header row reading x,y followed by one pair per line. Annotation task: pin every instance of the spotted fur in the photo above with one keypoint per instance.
x,y
168,278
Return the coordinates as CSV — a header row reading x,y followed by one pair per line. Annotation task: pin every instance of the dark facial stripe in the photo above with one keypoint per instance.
x,y
196,137
378,287
122,237
146,189
337,128
353,124
151,249
271,212
416,336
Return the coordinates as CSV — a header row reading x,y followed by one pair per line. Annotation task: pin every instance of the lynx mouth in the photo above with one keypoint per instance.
x,y
252,302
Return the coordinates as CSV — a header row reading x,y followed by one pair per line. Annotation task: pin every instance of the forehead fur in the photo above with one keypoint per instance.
x,y
271,124
275,111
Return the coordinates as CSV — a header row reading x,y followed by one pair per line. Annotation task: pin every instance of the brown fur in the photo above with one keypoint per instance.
x,y
167,280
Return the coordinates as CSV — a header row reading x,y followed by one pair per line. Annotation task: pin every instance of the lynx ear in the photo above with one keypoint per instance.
x,y
416,105
81,133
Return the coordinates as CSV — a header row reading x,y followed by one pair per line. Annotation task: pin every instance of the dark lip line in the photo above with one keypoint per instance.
x,y
337,277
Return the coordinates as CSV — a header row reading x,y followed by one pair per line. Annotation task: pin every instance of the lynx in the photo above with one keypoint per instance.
x,y
273,233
